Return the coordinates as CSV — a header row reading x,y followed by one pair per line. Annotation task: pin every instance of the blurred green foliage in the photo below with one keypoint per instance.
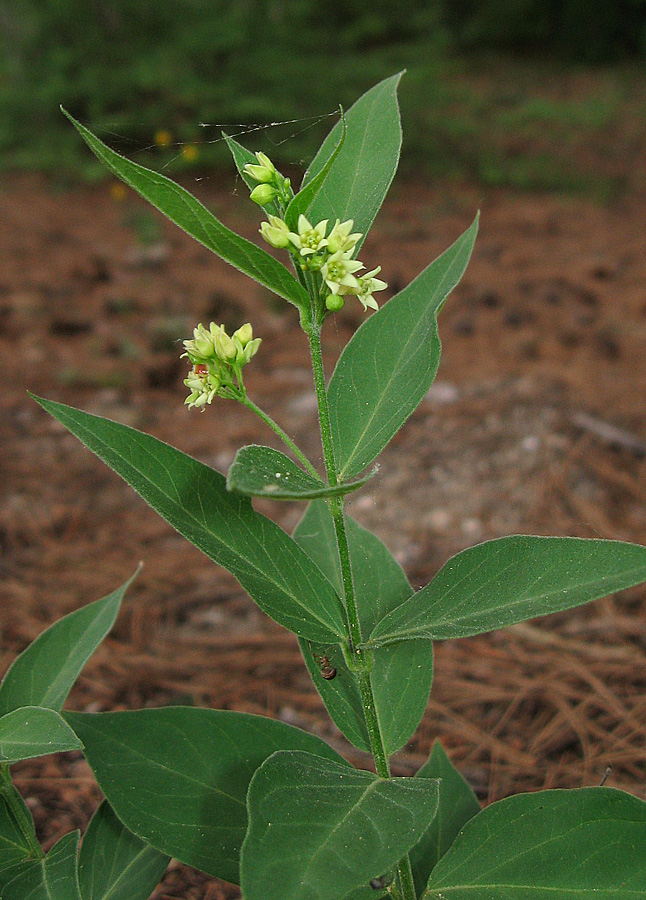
x,y
146,74
591,31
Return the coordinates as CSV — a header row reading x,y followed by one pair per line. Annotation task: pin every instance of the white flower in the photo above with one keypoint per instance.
x,y
338,272
309,238
340,238
368,284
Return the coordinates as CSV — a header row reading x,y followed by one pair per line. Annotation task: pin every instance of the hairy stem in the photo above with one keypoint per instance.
x,y
18,811
337,508
285,438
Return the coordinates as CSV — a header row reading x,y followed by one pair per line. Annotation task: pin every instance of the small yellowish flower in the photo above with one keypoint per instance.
x,y
275,232
338,272
163,138
263,194
245,343
203,385
189,152
309,238
340,238
264,172
368,284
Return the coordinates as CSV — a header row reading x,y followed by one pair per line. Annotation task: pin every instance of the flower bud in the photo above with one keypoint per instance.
x,y
264,172
244,334
274,234
263,194
334,302
225,347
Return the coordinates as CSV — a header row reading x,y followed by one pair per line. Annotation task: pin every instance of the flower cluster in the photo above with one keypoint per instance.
x,y
217,362
330,254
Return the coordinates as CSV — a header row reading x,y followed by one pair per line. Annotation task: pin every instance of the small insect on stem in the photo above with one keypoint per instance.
x,y
378,884
327,669
201,369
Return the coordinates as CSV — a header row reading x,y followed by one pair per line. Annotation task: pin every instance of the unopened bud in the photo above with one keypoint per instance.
x,y
244,334
224,347
264,171
334,302
263,194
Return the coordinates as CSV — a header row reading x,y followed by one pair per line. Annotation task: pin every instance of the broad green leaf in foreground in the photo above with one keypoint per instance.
x,y
401,676
509,580
178,776
358,182
194,499
318,830
32,731
457,805
114,864
51,878
551,845
189,214
390,363
44,673
264,472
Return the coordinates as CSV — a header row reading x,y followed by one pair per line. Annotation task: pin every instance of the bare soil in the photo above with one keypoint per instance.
x,y
536,423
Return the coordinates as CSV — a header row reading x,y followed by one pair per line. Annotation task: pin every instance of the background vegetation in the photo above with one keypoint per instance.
x,y
480,75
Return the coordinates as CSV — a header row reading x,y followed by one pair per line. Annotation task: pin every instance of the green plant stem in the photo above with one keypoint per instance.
x,y
275,427
18,811
337,508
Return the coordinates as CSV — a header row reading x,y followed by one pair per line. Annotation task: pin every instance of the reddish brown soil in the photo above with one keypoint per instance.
x,y
549,323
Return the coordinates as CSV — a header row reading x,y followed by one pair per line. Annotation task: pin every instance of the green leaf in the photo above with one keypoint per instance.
x,y
318,830
177,777
401,677
190,215
32,731
359,180
301,203
51,878
458,804
44,673
389,364
264,472
114,864
14,847
194,499
549,845
509,580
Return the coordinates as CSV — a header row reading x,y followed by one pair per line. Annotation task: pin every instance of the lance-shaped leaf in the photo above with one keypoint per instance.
x,y
264,472
114,864
194,499
357,183
550,845
44,673
318,830
51,878
301,203
178,776
401,677
193,217
32,731
389,364
457,805
509,580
